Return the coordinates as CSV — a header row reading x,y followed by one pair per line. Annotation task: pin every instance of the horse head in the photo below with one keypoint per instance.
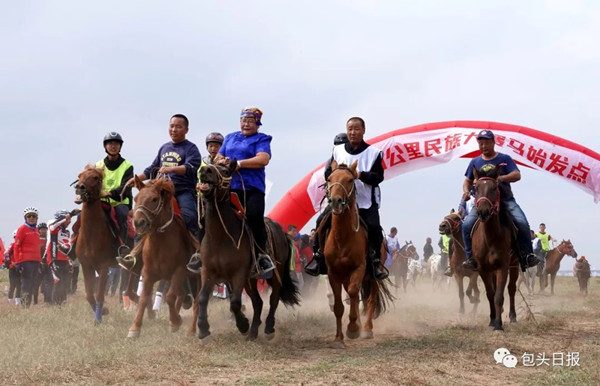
x,y
151,204
340,187
487,193
451,223
215,180
566,248
89,184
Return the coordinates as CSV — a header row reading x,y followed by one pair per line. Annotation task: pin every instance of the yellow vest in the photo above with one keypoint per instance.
x,y
445,244
113,178
545,240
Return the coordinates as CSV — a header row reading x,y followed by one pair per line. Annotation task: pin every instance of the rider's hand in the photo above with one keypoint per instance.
x,y
165,169
466,196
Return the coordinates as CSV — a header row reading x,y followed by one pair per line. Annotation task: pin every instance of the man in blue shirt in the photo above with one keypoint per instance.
x,y
509,172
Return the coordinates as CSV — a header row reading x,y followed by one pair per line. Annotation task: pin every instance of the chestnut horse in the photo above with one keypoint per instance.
x,y
553,258
451,225
167,246
345,252
400,260
96,246
227,252
492,242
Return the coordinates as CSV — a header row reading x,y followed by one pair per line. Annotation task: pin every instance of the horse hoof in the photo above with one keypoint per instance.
x,y
513,320
104,311
174,328
151,315
251,337
133,334
338,345
352,334
97,322
500,328
205,341
367,335
270,336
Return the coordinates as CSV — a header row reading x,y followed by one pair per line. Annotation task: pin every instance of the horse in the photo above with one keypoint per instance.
x,y
167,246
227,252
400,260
414,270
345,250
582,272
436,271
492,243
553,258
528,277
451,225
96,245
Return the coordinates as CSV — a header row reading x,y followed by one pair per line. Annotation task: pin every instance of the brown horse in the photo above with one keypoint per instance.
x,y
345,255
492,240
227,252
451,225
583,273
553,258
166,249
399,266
96,246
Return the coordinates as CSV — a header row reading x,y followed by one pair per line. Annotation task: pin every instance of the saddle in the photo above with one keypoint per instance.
x,y
236,206
111,217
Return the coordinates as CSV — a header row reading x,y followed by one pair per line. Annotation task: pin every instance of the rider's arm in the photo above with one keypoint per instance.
x,y
513,176
374,176
260,160
467,184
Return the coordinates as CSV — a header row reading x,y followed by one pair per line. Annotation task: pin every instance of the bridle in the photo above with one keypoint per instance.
x,y
349,196
84,194
151,214
223,183
495,205
453,226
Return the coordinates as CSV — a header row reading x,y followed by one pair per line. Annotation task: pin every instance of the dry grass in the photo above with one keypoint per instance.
x,y
420,341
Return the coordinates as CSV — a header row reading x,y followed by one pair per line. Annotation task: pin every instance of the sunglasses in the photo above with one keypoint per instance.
x,y
31,216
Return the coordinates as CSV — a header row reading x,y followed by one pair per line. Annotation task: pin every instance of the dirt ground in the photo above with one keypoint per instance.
x,y
422,340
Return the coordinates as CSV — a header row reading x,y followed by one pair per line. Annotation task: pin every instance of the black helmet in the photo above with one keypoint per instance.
x,y
340,139
113,136
61,214
214,137
42,225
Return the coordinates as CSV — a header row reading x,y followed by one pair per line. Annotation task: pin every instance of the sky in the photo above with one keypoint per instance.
x,y
73,71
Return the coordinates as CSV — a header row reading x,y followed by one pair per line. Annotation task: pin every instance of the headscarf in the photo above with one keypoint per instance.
x,y
253,112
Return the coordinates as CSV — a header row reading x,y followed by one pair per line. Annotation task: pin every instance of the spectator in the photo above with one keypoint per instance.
x,y
14,276
59,245
27,254
427,249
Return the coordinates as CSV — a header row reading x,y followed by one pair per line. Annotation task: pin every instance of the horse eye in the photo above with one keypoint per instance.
x,y
154,199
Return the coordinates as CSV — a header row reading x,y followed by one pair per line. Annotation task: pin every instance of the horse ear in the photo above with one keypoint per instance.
x,y
496,172
460,212
353,167
334,165
475,173
138,183
452,210
233,165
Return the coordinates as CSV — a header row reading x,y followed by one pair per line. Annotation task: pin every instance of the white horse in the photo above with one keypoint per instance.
x,y
528,277
414,270
435,269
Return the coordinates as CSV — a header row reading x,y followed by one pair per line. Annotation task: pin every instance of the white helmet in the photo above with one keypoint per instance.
x,y
30,209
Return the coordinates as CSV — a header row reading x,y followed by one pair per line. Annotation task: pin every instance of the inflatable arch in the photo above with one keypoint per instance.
x,y
417,147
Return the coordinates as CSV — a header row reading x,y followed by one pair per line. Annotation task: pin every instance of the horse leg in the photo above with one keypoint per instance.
x,y
512,290
501,278
136,326
489,292
273,304
338,310
192,330
99,307
476,294
89,279
371,305
257,305
175,295
552,277
461,293
203,296
352,287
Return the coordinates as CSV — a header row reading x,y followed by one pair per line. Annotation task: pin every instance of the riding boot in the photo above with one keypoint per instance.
x,y
188,299
264,267
379,271
316,265
532,260
470,263
448,271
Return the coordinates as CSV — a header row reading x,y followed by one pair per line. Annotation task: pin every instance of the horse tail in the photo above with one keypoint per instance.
x,y
282,247
384,296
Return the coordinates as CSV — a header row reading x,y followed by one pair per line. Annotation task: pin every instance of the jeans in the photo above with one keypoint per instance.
x,y
188,206
518,217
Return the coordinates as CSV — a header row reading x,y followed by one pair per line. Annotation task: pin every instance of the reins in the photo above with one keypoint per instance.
x,y
348,198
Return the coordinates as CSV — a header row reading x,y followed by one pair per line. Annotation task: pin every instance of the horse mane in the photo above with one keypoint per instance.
x,y
489,173
163,184
93,167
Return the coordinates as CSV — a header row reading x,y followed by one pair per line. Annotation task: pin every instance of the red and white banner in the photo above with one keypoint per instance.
x,y
427,145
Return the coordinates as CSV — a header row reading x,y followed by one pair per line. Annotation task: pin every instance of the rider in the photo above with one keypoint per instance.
x,y
370,175
117,171
57,249
545,239
179,159
316,267
509,172
214,141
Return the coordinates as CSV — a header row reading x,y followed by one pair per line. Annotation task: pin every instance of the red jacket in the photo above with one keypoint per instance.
x,y
59,243
9,256
27,244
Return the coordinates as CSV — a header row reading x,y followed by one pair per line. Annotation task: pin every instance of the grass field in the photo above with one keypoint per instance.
x,y
420,341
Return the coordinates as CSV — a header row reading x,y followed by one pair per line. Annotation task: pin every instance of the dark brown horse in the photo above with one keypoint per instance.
x,y
166,249
492,241
451,225
399,268
227,252
553,258
345,255
96,246
583,272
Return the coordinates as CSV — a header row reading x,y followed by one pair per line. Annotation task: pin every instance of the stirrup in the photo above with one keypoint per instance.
x,y
126,262
380,274
195,263
123,250
532,260
312,268
448,271
266,271
470,264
